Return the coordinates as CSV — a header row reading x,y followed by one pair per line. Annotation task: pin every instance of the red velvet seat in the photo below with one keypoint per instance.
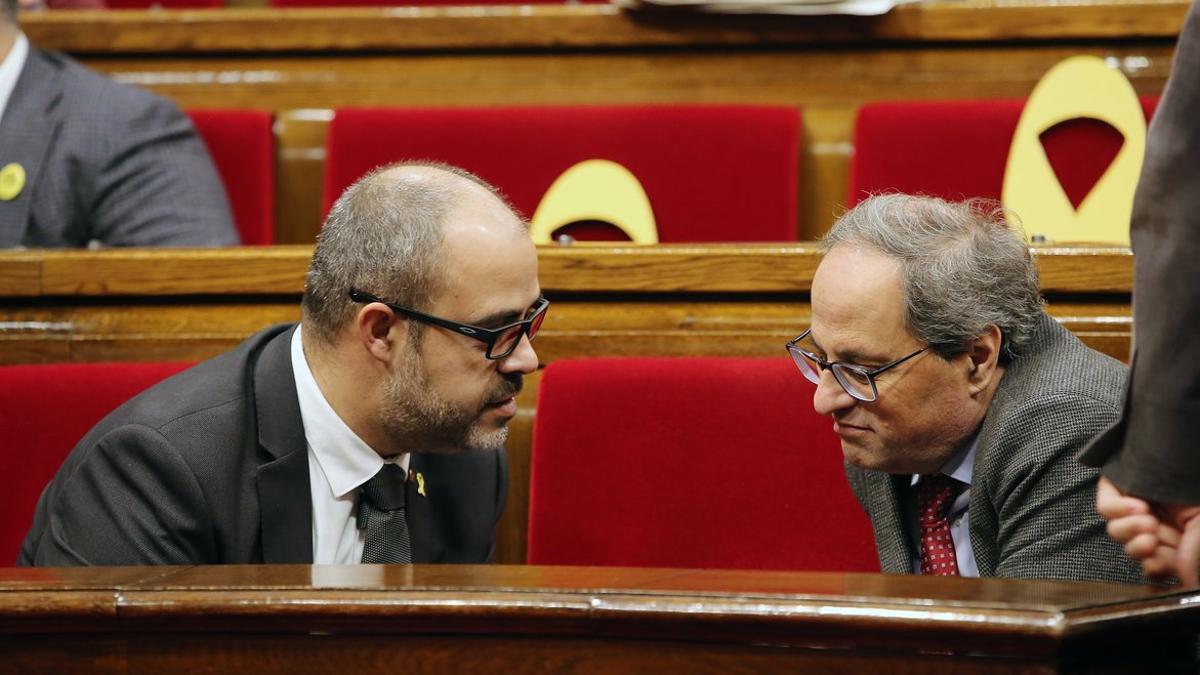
x,y
712,173
46,410
420,3
689,462
242,145
958,149
165,4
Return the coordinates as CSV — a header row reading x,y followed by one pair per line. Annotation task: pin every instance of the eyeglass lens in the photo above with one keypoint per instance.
x,y
506,342
855,382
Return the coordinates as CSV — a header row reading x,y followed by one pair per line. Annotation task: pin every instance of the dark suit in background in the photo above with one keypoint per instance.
x,y
1031,507
211,466
1154,451
105,162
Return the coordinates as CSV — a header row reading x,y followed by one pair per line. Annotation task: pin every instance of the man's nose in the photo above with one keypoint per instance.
x,y
523,359
830,397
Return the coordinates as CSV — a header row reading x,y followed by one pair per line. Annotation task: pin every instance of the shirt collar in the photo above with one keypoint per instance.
x,y
346,459
10,69
961,464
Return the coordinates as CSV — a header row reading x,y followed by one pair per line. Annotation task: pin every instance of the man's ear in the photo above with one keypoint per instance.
x,y
983,358
378,331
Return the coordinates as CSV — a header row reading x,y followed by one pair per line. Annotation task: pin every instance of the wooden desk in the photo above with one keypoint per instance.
x,y
302,63
480,619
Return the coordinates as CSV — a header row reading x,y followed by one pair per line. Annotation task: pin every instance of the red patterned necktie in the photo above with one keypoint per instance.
x,y
935,494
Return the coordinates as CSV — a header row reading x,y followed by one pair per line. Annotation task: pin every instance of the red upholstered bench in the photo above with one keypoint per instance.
x,y
46,410
712,173
419,3
689,462
958,149
164,4
242,145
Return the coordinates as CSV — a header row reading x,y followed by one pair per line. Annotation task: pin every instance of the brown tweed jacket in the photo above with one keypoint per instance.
x,y
1032,512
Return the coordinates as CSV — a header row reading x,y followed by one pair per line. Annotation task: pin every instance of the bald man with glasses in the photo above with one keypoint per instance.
x,y
959,402
371,432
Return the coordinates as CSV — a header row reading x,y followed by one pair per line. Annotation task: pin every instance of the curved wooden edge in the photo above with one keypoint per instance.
x,y
259,30
800,608
717,268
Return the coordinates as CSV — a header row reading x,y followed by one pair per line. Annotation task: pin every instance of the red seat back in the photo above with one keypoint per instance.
x,y
165,4
242,146
689,462
418,3
958,149
46,409
712,173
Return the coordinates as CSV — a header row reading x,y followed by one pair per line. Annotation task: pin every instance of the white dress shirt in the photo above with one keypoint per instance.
x,y
10,70
960,466
338,463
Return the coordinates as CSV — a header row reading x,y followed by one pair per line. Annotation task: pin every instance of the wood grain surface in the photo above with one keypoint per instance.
x,y
584,27
542,619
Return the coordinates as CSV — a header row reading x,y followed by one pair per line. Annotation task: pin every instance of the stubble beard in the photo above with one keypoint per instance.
x,y
428,423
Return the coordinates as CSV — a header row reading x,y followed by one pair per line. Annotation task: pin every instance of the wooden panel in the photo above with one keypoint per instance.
x,y
424,654
228,271
21,274
300,147
587,26
512,530
544,619
581,268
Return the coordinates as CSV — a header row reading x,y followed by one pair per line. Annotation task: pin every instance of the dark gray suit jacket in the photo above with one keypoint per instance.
x,y
211,466
1154,452
107,162
1031,508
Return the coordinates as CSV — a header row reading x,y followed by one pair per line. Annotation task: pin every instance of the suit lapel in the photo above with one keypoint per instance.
x,y
985,526
284,494
31,122
891,538
427,543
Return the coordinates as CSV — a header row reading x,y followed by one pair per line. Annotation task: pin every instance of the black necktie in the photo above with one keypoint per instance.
x,y
381,513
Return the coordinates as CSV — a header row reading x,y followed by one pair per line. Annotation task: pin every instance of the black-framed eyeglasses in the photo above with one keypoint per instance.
x,y
500,341
857,380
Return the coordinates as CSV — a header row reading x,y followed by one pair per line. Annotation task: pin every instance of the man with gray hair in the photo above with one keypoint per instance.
x,y
959,402
372,432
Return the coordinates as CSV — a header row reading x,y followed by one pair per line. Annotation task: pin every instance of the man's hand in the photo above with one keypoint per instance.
x,y
1164,537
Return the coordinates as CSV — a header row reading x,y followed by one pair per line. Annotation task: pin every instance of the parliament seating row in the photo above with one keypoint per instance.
x,y
958,149
637,462
217,4
702,168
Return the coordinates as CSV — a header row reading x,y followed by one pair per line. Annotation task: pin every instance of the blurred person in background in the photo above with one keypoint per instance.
x,y
85,161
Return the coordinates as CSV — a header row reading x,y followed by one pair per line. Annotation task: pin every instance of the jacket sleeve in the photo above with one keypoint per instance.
x,y
1042,501
1152,452
130,499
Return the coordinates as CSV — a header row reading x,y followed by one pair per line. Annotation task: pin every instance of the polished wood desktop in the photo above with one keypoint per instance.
x,y
488,619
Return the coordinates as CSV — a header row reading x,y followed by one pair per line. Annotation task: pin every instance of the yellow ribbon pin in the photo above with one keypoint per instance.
x,y
12,181
420,484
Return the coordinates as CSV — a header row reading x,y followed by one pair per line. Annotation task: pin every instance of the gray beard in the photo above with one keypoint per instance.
x,y
428,423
